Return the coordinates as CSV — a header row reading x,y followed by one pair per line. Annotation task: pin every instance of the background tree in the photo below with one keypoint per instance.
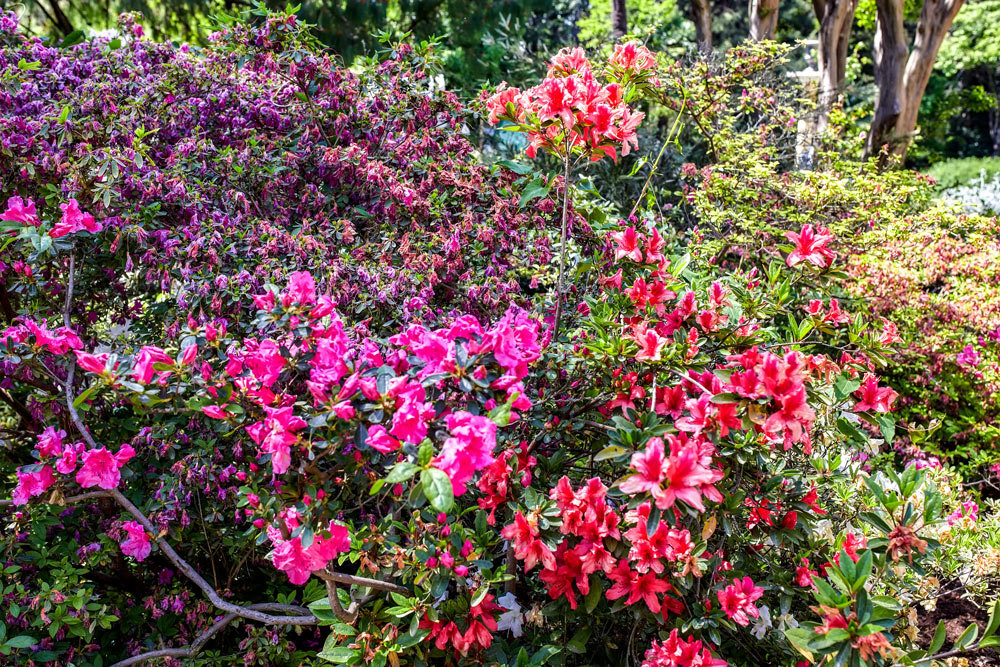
x,y
701,15
763,19
619,18
901,87
836,18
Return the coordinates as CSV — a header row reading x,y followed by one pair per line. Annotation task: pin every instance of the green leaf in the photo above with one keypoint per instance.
x,y
800,638
337,654
401,472
594,596
611,452
887,425
727,397
939,636
966,637
535,189
994,621
437,488
886,602
844,386
21,641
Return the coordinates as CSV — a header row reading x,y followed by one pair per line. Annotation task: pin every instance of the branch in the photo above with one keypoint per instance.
x,y
202,639
350,579
168,550
79,498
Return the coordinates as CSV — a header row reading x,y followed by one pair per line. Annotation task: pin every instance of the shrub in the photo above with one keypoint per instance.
x,y
955,173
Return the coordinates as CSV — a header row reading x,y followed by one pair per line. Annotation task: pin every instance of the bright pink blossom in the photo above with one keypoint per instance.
x,y
74,220
30,484
137,543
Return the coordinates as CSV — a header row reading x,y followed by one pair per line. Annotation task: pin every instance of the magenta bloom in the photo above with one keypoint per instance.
x,y
50,442
74,220
94,363
101,468
21,211
144,360
31,484
299,562
380,440
301,289
737,600
137,543
67,462
409,423
276,435
811,246
469,449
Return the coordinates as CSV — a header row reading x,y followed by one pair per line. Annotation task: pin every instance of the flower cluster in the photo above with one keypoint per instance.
x,y
572,111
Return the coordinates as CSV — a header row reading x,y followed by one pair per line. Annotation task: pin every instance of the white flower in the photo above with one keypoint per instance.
x,y
763,623
512,618
508,601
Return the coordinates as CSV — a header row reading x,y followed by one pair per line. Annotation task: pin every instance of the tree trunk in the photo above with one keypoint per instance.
x,y
619,19
935,21
763,19
701,14
890,59
836,18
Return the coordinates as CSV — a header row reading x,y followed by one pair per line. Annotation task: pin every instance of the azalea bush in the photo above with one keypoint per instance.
x,y
291,377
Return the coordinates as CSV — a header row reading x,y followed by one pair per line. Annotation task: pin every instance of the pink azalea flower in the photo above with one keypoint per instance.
x,y
470,448
31,484
266,363
627,245
810,246
276,435
650,469
216,411
74,220
21,211
137,543
102,469
144,360
650,344
301,289
409,422
380,440
50,442
299,562
95,363
67,462
737,600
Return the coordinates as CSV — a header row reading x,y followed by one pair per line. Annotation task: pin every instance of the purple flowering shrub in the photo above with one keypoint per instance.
x,y
261,149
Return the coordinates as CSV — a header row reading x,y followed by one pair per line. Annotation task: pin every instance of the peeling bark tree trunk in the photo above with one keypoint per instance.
x,y
763,19
836,18
900,92
701,14
890,59
619,19
935,21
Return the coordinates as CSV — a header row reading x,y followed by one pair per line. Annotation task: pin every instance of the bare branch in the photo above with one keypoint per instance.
x,y
202,639
353,580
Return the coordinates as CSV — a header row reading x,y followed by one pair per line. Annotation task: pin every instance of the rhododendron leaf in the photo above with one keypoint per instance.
x,y
938,640
578,643
337,654
594,596
516,167
994,621
850,430
800,638
611,452
876,520
401,472
534,190
887,425
653,520
932,505
425,453
412,638
967,637
437,488
480,595
542,655
21,641
886,602
726,397
844,386
84,395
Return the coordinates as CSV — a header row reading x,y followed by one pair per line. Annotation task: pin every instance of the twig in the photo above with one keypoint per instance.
x,y
353,580
199,643
562,242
